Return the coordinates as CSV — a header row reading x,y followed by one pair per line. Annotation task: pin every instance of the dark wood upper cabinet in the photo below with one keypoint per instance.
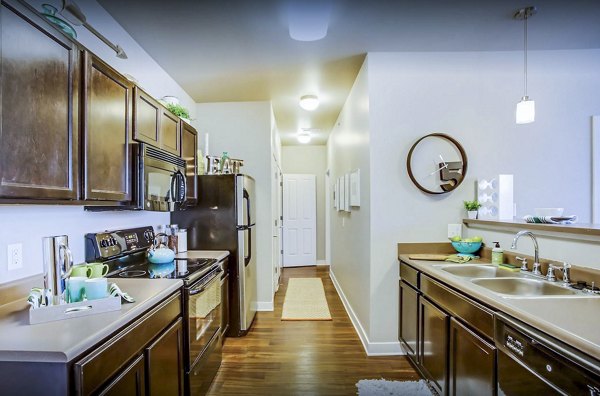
x,y
170,133
146,120
107,132
189,152
39,89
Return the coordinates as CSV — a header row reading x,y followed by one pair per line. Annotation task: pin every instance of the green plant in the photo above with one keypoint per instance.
x,y
178,110
472,205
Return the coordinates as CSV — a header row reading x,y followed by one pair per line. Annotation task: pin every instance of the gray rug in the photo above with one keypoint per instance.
x,y
388,388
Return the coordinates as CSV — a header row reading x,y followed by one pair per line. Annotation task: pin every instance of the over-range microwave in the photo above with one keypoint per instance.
x,y
161,180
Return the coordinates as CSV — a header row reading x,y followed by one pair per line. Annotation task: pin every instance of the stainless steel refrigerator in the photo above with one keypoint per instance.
x,y
223,219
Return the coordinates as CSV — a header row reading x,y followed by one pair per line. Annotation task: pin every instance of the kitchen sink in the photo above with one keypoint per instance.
x,y
524,287
480,271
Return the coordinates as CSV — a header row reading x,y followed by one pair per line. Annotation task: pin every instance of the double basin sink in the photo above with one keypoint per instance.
x,y
508,283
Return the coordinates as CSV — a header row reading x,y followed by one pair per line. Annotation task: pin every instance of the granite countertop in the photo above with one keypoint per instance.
x,y
64,340
195,254
572,320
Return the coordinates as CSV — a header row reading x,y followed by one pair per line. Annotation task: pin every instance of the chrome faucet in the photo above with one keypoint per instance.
x,y
536,259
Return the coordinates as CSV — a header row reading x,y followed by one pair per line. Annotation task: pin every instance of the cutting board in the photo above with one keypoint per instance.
x,y
429,257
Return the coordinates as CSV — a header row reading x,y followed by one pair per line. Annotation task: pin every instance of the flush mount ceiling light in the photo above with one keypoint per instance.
x,y
73,14
304,136
308,20
526,107
309,102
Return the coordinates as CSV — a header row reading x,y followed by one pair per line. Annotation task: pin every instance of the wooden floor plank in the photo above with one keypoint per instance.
x,y
302,358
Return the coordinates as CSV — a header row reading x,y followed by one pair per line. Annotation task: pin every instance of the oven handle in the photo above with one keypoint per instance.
x,y
202,288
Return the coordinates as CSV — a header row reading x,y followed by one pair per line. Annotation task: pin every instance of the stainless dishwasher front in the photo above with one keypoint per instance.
x,y
532,363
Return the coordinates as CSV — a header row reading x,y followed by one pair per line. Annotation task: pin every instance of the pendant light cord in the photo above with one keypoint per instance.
x,y
525,55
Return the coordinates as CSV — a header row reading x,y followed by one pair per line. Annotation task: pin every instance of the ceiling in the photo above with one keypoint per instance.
x,y
240,50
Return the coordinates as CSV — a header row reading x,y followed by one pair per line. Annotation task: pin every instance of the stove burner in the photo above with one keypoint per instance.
x,y
132,274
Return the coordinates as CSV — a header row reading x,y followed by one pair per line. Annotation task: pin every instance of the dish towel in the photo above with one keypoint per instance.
x,y
455,258
550,219
114,291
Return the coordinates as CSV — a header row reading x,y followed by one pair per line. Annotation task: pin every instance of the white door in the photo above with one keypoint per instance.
x,y
299,220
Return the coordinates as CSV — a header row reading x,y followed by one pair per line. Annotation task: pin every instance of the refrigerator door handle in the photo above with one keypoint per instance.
x,y
249,257
247,198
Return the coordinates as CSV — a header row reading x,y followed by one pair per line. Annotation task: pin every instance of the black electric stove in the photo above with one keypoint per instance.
x,y
124,251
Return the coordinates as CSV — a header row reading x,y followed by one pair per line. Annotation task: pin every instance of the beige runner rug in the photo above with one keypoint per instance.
x,y
305,300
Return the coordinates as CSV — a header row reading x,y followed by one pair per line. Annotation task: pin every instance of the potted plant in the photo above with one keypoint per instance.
x,y
179,111
471,207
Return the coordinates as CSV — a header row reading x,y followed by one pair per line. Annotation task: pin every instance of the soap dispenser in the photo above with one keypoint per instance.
x,y
497,254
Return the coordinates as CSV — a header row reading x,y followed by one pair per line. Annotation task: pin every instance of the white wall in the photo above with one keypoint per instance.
x,y
348,149
471,96
310,160
28,224
243,129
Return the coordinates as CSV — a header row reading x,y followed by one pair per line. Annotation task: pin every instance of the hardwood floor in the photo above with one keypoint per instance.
x,y
302,357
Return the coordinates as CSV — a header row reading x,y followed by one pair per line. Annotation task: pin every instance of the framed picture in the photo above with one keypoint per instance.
x,y
347,192
335,195
342,190
355,188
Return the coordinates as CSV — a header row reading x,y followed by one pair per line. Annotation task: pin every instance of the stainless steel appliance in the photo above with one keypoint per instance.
x,y
223,219
58,261
161,180
125,253
532,363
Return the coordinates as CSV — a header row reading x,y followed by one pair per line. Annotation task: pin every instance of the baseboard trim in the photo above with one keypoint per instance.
x,y
322,262
371,348
265,306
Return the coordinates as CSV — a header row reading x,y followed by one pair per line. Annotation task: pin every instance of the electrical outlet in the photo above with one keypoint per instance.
x,y
15,256
454,230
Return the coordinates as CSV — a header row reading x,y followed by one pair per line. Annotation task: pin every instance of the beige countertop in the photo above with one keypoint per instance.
x,y
64,340
572,320
195,254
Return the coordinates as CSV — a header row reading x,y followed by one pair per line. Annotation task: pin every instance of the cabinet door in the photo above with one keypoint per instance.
x,y
146,118
434,344
164,358
409,319
189,152
170,134
130,382
39,90
472,362
107,130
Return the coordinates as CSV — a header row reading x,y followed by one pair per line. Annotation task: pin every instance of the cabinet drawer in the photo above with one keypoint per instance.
x,y
99,366
478,316
409,275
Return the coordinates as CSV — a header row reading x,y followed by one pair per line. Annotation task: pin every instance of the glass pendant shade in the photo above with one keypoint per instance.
x,y
525,111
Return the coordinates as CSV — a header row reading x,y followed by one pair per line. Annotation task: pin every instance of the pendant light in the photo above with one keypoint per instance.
x,y
526,107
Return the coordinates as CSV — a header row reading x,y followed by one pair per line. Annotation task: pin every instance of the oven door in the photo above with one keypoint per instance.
x,y
204,315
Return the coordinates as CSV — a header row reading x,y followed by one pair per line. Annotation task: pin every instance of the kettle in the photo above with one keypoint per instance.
x,y
158,252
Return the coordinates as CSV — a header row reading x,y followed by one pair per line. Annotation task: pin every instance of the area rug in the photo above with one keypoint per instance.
x,y
305,300
383,387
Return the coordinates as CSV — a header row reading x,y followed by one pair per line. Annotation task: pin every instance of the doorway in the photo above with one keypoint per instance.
x,y
299,220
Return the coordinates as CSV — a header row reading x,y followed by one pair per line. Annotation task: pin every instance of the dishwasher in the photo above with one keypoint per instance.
x,y
532,363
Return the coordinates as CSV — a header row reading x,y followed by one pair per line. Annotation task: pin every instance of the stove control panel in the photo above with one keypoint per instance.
x,y
110,244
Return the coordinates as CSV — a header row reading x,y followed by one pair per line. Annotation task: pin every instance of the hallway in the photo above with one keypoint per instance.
x,y
305,357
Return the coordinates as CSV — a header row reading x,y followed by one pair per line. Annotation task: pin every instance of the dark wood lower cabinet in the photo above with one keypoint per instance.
x,y
434,344
130,382
408,320
472,362
164,359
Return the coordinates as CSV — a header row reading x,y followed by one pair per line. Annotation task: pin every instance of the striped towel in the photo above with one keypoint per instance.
x,y
550,219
